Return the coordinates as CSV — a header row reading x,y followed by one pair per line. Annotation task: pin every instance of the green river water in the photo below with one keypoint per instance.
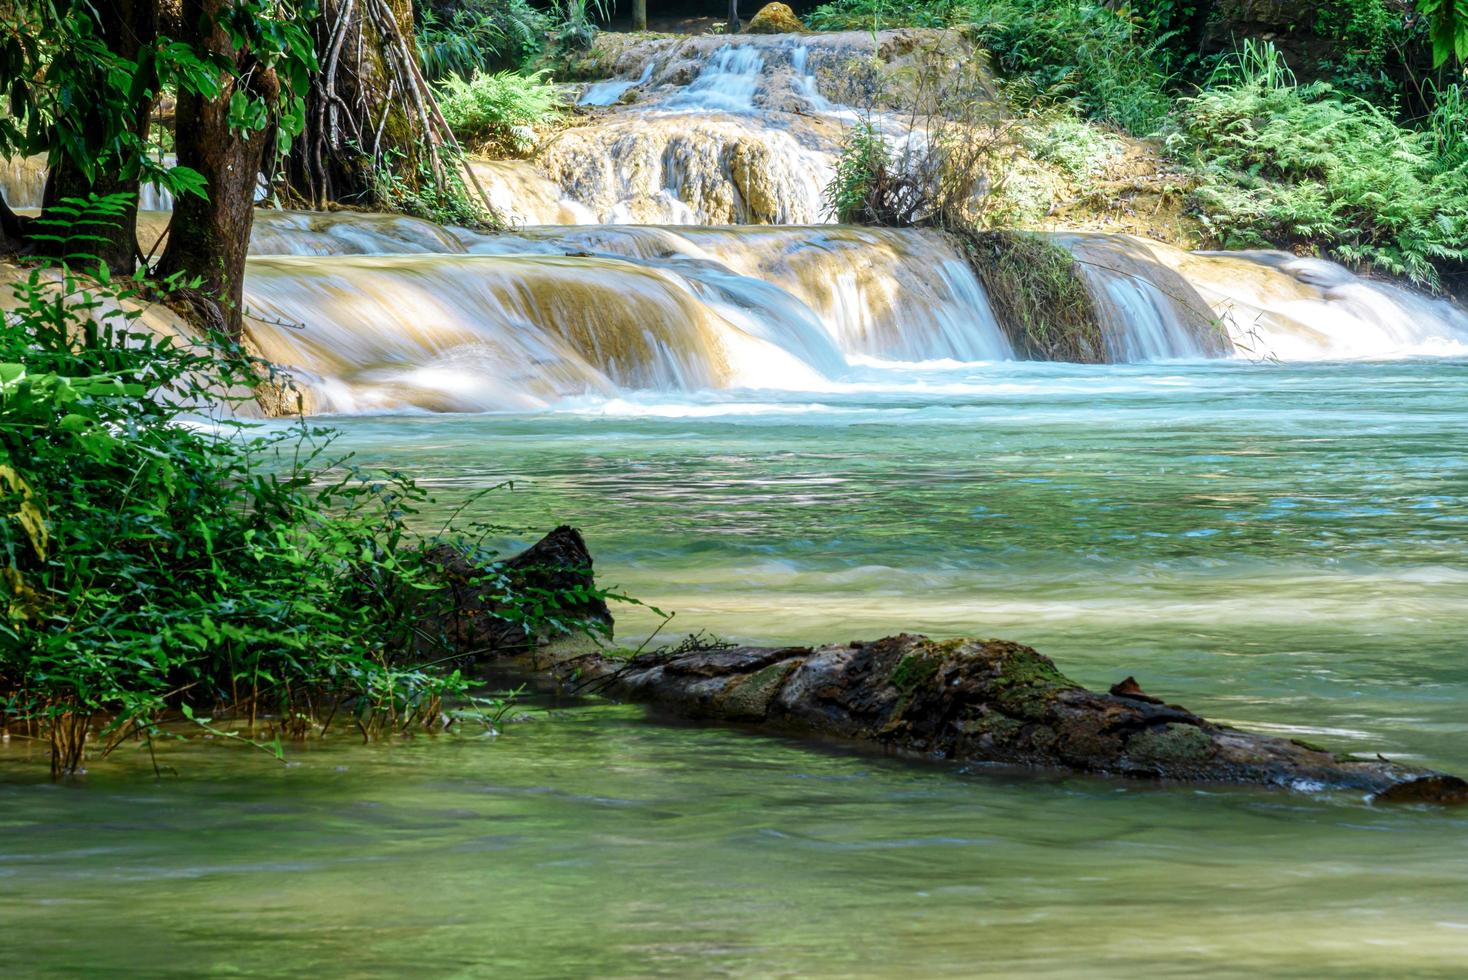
x,y
1276,546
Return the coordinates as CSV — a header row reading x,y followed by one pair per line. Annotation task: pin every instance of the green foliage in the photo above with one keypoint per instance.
x,y
1049,51
862,166
447,202
1080,149
71,95
846,15
479,35
1078,52
152,564
501,109
1449,24
575,22
1288,165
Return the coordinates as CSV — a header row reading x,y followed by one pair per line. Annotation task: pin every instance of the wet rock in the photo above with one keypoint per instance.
x,y
474,614
774,18
967,700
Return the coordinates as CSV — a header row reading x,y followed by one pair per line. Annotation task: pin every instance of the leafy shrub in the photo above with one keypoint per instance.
x,y
1079,52
938,164
1080,149
1049,51
1288,165
152,567
848,15
479,35
575,23
502,109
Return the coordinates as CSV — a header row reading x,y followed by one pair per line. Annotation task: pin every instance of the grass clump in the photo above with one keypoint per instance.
x,y
1302,166
161,572
1039,297
500,111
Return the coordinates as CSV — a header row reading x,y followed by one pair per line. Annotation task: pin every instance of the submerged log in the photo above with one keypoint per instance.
x,y
967,700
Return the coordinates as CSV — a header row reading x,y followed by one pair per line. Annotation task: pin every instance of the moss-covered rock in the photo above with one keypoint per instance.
x,y
774,18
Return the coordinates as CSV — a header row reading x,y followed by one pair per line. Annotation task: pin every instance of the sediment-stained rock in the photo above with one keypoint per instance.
x,y
967,700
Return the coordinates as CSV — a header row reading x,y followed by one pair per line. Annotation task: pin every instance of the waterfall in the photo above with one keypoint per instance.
x,y
489,332
672,238
1148,311
398,314
608,92
1280,306
874,293
1160,302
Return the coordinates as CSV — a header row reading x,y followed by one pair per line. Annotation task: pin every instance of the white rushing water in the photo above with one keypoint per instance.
x,y
398,314
672,242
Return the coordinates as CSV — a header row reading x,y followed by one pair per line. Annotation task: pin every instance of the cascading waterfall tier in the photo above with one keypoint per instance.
x,y
1269,305
396,313
519,321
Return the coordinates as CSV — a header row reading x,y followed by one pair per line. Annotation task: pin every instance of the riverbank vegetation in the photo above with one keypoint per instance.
x,y
1349,145
500,113
166,567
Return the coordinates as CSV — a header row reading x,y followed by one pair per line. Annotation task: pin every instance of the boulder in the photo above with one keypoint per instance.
x,y
774,18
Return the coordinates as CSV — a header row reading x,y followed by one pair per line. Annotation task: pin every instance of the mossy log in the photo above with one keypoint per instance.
x,y
967,700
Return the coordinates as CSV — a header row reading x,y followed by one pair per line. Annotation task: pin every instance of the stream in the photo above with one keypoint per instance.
x,y
1277,546
801,432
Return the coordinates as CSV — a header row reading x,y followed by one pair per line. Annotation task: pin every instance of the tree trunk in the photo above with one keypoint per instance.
x,y
733,25
639,15
965,700
209,238
127,26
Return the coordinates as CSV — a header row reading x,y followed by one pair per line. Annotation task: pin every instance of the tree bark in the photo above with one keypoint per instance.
x,y
209,238
732,27
965,700
639,15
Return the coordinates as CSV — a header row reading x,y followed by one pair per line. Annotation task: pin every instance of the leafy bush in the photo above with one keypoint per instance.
x,y
152,567
1079,52
1049,51
576,24
479,35
848,15
1078,148
502,109
1288,165
938,164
